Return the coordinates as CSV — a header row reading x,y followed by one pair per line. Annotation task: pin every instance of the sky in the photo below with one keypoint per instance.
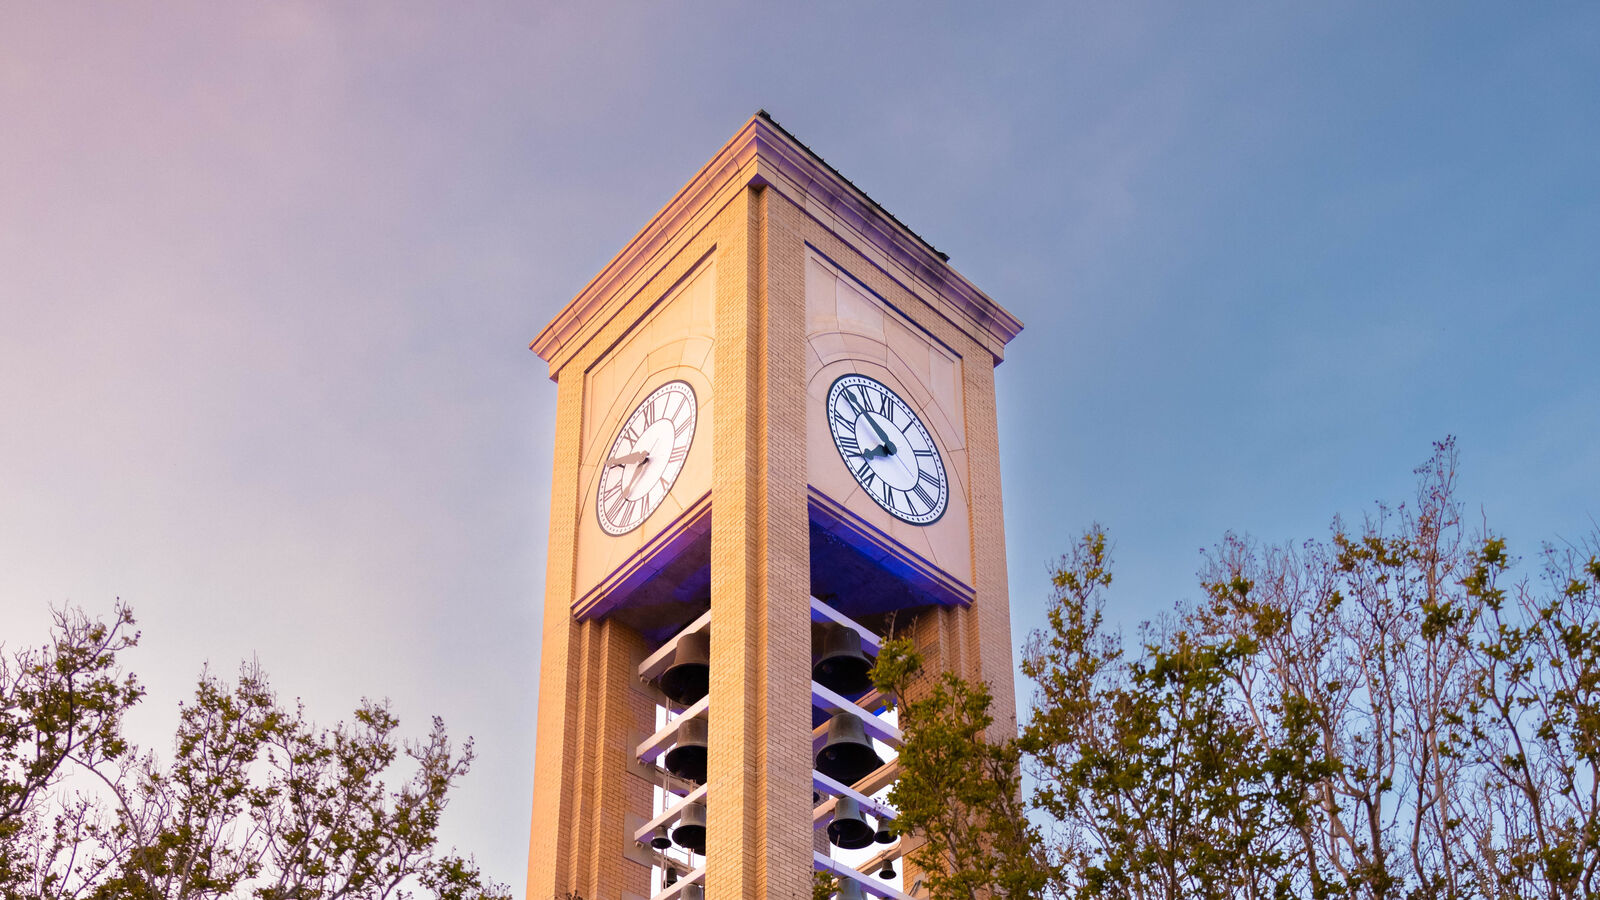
x,y
269,272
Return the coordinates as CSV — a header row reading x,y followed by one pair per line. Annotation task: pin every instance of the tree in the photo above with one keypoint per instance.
x,y
1159,784
959,792
1382,714
255,802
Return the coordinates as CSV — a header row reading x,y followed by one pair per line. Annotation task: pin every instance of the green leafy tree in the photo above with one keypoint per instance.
x,y
255,802
1159,784
1382,714
957,791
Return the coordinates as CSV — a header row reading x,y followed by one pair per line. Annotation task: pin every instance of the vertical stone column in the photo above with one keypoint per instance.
x,y
590,713
549,844
759,834
988,623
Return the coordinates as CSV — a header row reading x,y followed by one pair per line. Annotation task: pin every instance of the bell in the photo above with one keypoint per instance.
x,y
849,829
847,755
841,666
693,892
691,831
659,839
687,758
689,677
884,835
887,872
816,797
849,890
670,878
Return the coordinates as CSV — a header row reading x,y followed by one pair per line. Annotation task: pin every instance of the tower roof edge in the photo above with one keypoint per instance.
x,y
765,154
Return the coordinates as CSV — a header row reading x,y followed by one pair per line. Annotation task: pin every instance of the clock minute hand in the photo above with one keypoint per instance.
x,y
637,456
888,445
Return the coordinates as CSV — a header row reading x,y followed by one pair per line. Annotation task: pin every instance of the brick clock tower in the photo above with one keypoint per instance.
x,y
775,442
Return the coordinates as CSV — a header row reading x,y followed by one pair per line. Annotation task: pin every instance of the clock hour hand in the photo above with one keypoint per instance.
x,y
638,456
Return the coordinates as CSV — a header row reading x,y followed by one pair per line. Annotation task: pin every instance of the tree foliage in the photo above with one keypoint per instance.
x,y
1387,713
959,791
255,801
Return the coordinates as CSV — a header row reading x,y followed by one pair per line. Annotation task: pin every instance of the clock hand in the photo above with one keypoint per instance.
x,y
882,438
629,459
637,474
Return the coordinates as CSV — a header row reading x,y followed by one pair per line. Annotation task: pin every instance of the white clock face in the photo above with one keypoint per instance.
x,y
646,458
888,449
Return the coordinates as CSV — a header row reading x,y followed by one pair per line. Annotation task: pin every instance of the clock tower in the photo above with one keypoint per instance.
x,y
775,445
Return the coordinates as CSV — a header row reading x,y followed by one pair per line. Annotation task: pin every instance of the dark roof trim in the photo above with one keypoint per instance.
x,y
763,114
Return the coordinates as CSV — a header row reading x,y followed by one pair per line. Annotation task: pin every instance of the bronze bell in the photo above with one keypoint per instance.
x,y
689,677
693,892
884,835
691,831
659,839
847,756
887,871
841,666
687,758
849,829
670,878
849,890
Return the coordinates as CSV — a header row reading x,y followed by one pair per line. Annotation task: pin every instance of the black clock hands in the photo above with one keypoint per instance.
x,y
886,445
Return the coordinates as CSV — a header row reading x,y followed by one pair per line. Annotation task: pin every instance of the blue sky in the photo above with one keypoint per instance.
x,y
268,274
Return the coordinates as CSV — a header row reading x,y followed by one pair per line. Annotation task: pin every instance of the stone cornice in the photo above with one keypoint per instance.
x,y
762,153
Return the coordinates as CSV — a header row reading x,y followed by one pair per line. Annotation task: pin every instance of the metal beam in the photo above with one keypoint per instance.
x,y
822,863
822,612
698,876
828,701
671,814
657,743
657,662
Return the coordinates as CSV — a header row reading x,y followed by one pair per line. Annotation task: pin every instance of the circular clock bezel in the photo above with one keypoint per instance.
x,y
914,421
669,475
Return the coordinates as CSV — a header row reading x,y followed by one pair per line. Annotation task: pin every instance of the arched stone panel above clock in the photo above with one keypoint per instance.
x,y
851,331
674,342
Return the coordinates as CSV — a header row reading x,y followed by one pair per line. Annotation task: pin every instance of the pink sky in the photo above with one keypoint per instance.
x,y
268,273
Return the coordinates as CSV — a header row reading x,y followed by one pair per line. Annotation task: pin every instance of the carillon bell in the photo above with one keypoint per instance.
x,y
849,890
689,677
841,666
847,756
687,758
670,878
887,871
693,892
849,829
884,835
659,839
691,831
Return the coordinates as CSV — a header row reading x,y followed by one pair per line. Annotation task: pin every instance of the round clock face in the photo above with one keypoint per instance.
x,y
888,449
646,458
